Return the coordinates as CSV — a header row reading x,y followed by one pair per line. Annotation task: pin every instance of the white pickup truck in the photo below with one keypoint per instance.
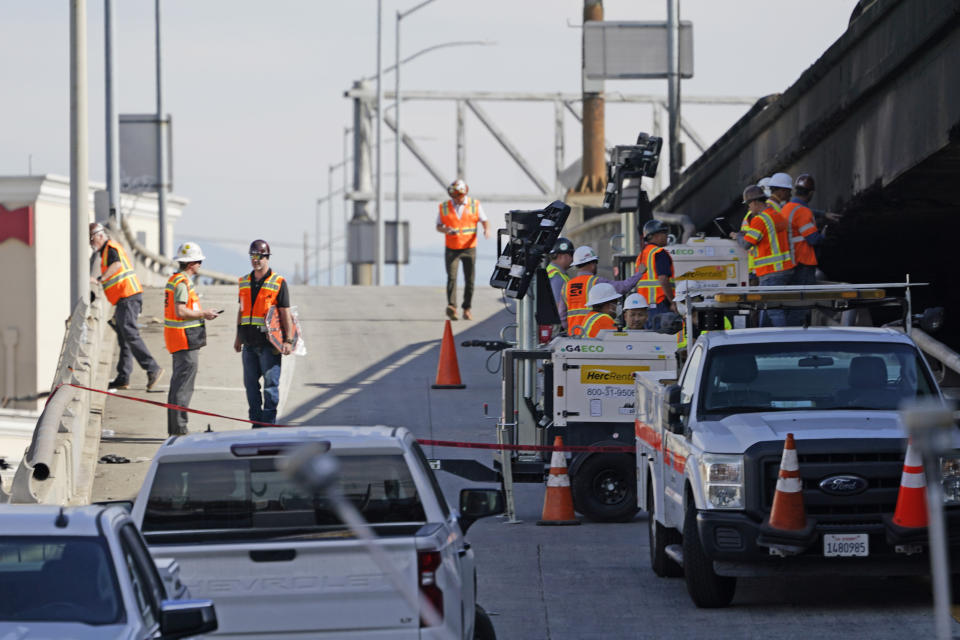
x,y
276,559
709,449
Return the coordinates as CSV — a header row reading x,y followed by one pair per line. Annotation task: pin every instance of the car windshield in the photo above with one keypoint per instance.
x,y
58,579
255,494
809,376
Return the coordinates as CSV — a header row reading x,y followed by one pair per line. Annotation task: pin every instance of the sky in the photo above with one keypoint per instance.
x,y
255,90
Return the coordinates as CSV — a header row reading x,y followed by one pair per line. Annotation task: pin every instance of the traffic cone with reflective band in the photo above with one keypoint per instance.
x,y
448,371
558,501
787,513
911,511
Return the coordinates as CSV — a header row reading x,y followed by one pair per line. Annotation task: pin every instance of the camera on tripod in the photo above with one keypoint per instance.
x,y
530,236
627,166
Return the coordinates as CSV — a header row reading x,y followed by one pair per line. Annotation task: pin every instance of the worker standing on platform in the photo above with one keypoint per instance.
x,y
260,290
802,231
560,260
184,332
458,219
573,304
123,290
768,233
657,286
602,301
635,312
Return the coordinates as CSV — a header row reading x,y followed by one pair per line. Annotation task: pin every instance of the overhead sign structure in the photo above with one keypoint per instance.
x,y
138,153
633,50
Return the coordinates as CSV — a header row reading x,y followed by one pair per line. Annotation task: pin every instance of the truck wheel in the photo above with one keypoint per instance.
x,y
706,588
482,626
605,488
660,537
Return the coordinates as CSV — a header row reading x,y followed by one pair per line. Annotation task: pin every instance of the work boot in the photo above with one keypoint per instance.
x,y
117,383
153,378
467,315
451,312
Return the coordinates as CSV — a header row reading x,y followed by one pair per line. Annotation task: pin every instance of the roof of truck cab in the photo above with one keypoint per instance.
x,y
338,437
799,334
39,520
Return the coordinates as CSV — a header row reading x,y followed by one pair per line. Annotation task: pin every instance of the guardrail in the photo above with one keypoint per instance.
x,y
163,265
57,467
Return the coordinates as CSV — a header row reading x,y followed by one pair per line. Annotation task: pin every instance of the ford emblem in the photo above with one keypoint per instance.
x,y
846,485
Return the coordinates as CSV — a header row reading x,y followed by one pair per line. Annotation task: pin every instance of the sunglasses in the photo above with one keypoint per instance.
x,y
259,256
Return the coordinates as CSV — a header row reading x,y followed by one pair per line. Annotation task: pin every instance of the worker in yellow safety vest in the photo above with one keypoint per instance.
x,y
457,219
122,288
184,332
573,305
657,286
560,260
602,301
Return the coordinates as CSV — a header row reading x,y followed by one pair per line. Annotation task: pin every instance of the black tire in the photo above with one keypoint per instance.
x,y
660,537
604,487
706,588
482,626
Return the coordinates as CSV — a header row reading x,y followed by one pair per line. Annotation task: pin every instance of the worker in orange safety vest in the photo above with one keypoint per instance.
x,y
457,219
184,332
573,305
657,285
602,301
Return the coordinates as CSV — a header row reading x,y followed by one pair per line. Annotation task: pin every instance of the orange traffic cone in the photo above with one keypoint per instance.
x,y
558,501
911,511
448,371
787,513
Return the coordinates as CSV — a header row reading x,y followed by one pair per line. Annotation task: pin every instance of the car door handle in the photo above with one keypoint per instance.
x,y
463,551
273,555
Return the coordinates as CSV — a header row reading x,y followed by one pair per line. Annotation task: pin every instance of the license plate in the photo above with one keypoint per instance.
x,y
846,544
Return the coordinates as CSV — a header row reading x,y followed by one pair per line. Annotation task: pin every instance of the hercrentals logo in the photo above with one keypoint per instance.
x,y
600,374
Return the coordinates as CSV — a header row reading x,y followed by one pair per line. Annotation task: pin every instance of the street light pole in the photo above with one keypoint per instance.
x,y
161,156
379,188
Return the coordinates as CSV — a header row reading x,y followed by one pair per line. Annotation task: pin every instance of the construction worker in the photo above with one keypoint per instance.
x,y
635,312
457,220
560,260
259,290
122,288
767,232
573,304
602,301
781,185
763,183
184,332
802,231
657,286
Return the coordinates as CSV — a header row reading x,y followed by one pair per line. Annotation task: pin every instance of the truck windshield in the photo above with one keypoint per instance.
x,y
255,494
811,376
57,579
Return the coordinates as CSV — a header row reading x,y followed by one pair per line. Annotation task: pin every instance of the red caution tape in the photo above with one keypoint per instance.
x,y
434,443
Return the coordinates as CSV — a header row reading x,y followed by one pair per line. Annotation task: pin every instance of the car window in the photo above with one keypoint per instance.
x,y
58,579
688,384
255,494
147,605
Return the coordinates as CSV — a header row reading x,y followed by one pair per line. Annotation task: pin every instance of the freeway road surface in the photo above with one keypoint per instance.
x,y
372,355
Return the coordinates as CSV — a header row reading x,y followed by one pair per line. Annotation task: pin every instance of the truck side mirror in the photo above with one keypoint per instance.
x,y
673,410
479,503
182,618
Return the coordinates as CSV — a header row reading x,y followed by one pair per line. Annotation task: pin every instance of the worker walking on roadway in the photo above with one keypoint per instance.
x,y
573,304
184,332
635,312
122,288
457,220
260,290
560,260
602,301
767,232
657,286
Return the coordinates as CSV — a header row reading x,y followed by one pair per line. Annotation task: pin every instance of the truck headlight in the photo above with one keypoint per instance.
x,y
722,479
950,479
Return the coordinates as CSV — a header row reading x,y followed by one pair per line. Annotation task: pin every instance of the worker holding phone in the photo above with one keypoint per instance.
x,y
184,332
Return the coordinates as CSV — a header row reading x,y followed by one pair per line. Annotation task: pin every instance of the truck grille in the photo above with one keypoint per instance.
x,y
879,468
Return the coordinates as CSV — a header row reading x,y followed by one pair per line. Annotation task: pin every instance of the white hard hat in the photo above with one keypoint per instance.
x,y
781,181
583,255
600,293
635,301
764,183
189,252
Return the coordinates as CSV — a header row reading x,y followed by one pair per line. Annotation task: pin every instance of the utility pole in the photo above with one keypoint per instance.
x,y
113,147
673,88
79,197
306,258
594,158
381,230
362,180
161,155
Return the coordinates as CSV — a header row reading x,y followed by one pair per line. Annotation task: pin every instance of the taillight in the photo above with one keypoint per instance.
x,y
427,564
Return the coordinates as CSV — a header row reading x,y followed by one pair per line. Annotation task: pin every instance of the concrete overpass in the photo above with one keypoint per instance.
x,y
876,120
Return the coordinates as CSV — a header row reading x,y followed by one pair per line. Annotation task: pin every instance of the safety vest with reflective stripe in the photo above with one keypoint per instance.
x,y
267,296
575,293
553,271
181,333
767,231
800,224
682,335
123,283
649,285
464,228
593,324
745,224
